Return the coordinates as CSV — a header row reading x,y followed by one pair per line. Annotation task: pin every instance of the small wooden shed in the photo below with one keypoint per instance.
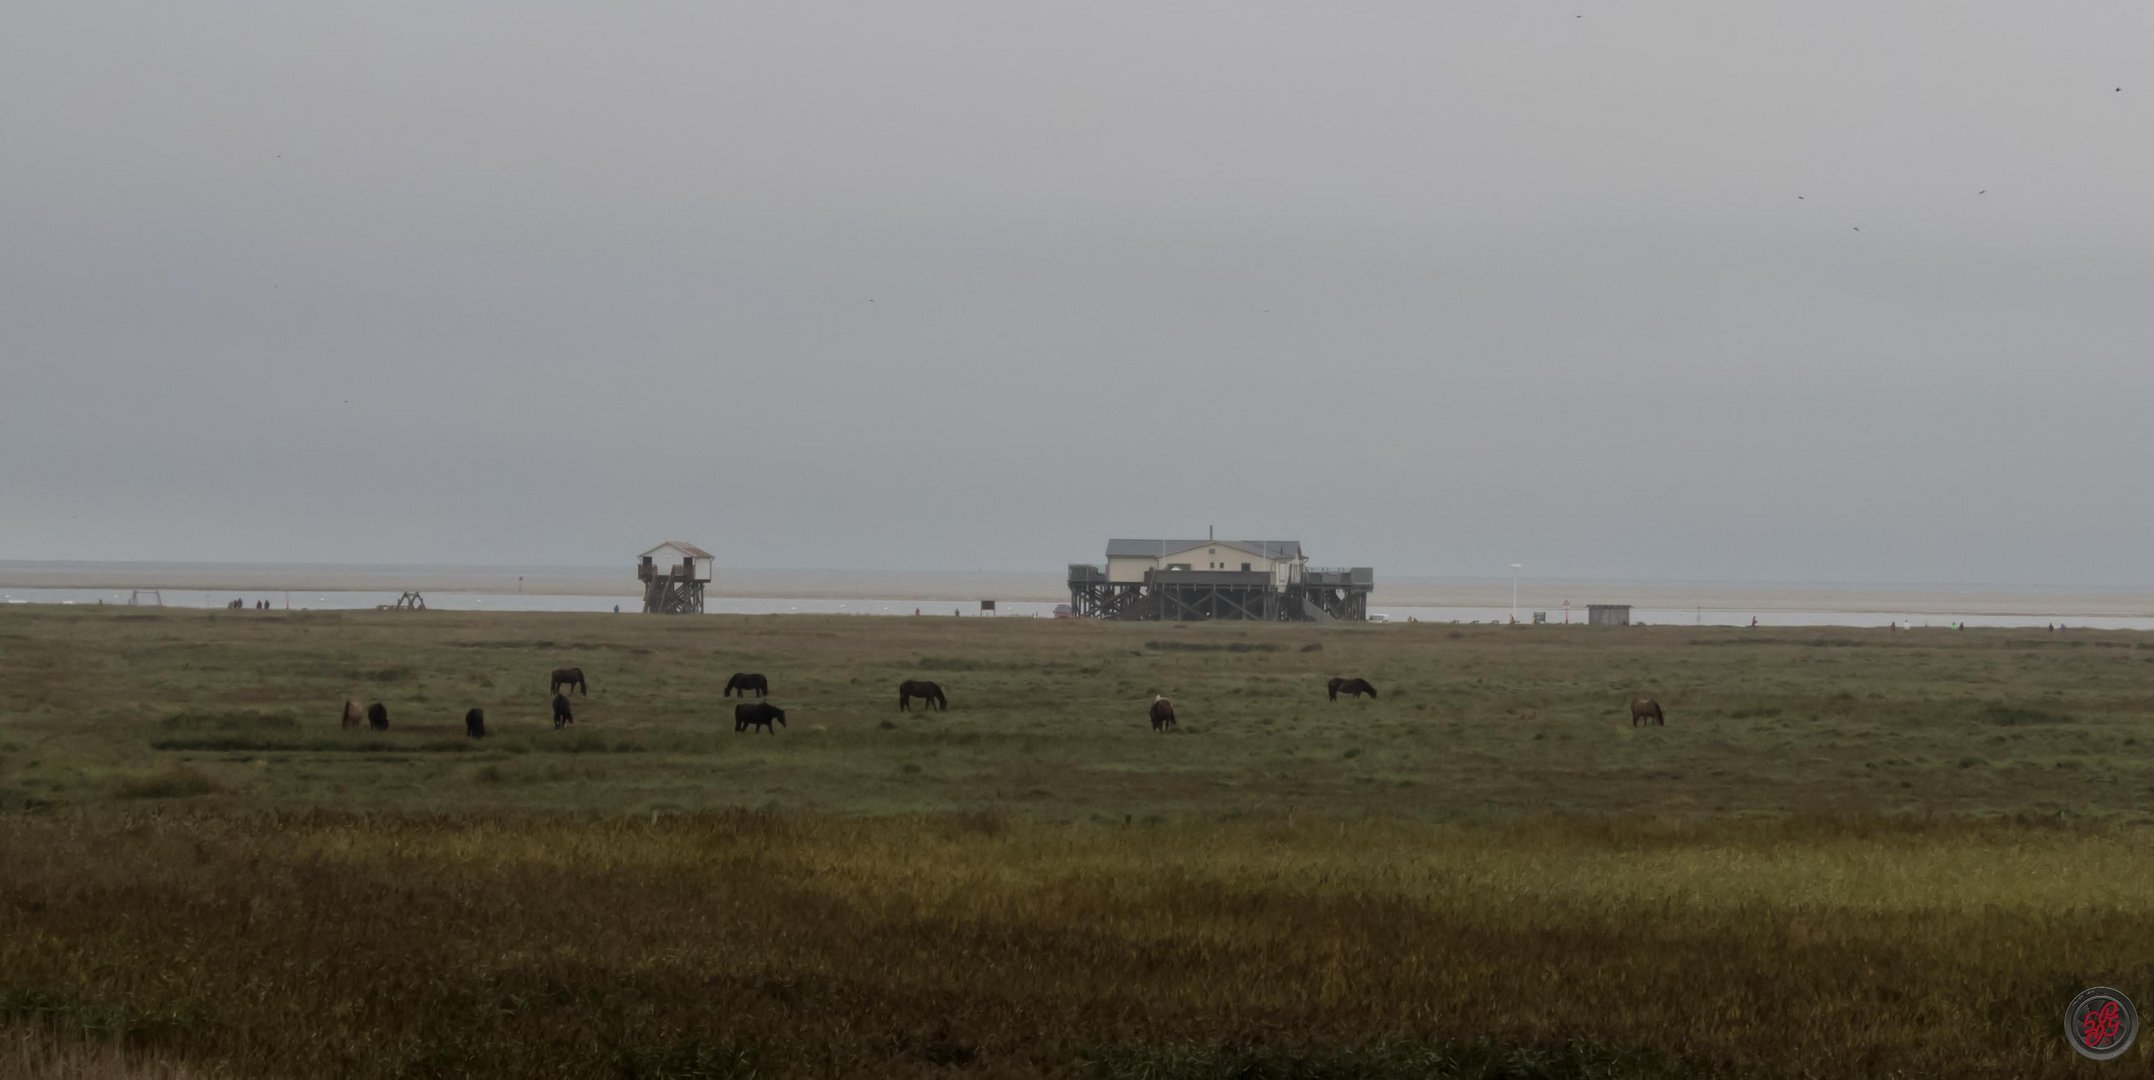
x,y
673,576
1607,614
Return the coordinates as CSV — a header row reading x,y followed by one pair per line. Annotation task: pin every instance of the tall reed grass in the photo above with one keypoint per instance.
x,y
748,944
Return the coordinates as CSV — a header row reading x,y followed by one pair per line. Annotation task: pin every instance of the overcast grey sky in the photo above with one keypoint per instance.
x,y
1435,287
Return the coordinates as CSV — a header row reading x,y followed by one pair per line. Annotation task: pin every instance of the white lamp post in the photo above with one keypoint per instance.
x,y
1515,568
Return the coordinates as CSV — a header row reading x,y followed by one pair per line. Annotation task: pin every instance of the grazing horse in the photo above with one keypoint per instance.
x,y
475,723
750,714
561,716
927,692
571,677
353,714
744,682
377,716
1644,709
1349,687
1162,714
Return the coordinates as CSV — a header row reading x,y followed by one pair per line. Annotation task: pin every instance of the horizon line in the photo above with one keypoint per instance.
x,y
840,570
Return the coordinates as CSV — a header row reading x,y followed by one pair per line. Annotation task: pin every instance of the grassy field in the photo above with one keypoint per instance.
x,y
1849,853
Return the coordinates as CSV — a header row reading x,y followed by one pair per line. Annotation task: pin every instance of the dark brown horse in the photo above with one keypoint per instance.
x,y
750,714
475,723
571,677
1349,687
927,692
1646,709
377,716
353,714
1162,714
744,682
562,717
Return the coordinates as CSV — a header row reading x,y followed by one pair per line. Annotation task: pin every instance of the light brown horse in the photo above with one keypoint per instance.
x,y
353,714
1646,709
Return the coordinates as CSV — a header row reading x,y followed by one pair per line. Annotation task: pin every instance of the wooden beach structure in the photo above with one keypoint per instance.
x,y
1607,614
1197,580
674,575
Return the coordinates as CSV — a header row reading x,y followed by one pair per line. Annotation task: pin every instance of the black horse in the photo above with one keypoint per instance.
x,y
744,682
1162,714
562,717
750,714
1350,687
475,723
571,677
927,692
377,716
